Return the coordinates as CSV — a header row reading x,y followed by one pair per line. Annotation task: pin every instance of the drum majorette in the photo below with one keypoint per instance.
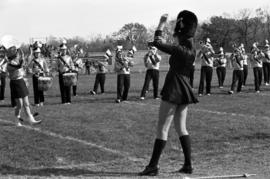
x,y
18,88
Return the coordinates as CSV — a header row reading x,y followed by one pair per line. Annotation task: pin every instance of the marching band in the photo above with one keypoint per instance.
x,y
68,67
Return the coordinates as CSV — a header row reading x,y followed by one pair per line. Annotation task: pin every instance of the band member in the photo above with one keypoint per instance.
x,y
238,75
206,54
122,68
257,58
245,63
151,61
266,64
177,93
64,65
101,67
3,72
18,87
38,67
87,67
78,65
192,71
221,67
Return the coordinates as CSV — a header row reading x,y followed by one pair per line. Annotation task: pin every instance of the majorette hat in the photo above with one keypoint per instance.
x,y
186,24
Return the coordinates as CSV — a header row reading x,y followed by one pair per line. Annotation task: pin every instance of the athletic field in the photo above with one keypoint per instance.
x,y
95,137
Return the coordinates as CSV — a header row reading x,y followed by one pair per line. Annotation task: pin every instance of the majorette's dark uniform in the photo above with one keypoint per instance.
x,y
176,88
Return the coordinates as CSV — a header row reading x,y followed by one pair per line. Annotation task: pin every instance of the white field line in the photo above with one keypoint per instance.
x,y
206,111
103,148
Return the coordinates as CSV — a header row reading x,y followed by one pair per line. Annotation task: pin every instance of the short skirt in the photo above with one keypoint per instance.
x,y
177,89
18,88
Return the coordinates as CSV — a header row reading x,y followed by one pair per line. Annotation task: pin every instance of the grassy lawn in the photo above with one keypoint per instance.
x,y
95,137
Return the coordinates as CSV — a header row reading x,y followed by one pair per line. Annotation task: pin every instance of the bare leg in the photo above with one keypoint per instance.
x,y
18,109
26,106
180,120
166,115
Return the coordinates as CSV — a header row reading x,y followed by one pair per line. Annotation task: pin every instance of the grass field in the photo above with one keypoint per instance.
x,y
95,137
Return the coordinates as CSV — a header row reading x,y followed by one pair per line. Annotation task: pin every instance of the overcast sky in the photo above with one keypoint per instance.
x,y
85,18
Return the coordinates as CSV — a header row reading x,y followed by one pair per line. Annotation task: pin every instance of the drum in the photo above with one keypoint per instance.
x,y
44,83
70,79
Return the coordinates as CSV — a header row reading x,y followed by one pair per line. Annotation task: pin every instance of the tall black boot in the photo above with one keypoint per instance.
x,y
186,146
152,168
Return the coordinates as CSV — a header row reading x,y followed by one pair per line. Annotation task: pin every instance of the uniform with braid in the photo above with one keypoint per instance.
x,y
3,72
64,65
122,68
238,75
257,57
151,61
38,66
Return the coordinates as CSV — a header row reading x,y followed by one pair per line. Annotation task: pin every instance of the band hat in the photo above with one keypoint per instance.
x,y
37,50
221,49
134,49
208,40
2,48
9,41
119,48
108,53
63,47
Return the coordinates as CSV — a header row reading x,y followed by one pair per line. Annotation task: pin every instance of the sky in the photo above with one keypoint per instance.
x,y
25,19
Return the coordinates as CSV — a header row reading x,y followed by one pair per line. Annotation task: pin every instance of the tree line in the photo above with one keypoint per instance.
x,y
247,26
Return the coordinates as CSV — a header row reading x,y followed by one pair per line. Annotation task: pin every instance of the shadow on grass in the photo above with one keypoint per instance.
x,y
68,172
